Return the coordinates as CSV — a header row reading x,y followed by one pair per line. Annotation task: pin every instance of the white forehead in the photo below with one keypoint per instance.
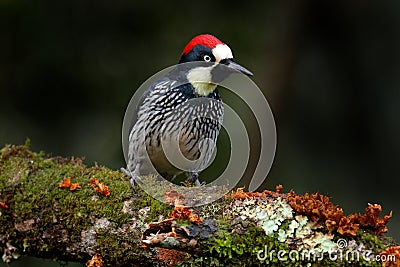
x,y
222,51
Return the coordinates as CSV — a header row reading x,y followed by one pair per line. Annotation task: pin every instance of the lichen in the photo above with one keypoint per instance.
x,y
10,252
320,209
391,257
284,231
202,230
233,249
50,218
42,219
169,242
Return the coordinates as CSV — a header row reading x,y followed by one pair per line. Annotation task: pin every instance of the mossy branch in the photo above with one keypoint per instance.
x,y
78,221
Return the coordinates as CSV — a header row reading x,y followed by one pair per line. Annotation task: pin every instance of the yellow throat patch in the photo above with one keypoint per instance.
x,y
200,78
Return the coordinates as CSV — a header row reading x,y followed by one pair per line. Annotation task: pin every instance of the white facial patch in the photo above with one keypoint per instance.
x,y
222,51
200,78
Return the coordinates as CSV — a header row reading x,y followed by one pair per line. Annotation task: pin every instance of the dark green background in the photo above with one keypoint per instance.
x,y
331,72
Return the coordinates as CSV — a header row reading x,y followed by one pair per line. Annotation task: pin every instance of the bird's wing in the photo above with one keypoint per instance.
x,y
163,83
175,78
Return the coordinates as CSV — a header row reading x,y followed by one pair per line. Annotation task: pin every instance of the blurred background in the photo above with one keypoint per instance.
x,y
330,71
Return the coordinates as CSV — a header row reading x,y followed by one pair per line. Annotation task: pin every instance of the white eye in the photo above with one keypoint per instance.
x,y
207,58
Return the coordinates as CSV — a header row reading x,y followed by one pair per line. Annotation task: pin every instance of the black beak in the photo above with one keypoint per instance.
x,y
233,65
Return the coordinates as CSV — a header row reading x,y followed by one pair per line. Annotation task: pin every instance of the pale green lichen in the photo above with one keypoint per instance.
x,y
10,252
137,222
169,242
114,224
267,213
282,236
319,243
276,217
293,226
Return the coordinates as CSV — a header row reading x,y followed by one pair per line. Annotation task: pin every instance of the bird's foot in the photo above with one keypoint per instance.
x,y
134,178
195,179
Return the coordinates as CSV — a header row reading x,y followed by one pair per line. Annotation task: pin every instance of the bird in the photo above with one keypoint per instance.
x,y
179,116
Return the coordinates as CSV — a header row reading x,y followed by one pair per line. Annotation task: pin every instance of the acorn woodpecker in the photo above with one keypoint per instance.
x,y
180,115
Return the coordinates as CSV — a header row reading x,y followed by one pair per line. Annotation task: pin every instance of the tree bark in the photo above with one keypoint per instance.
x,y
58,208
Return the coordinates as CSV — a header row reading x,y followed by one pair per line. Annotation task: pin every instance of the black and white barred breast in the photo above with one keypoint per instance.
x,y
173,122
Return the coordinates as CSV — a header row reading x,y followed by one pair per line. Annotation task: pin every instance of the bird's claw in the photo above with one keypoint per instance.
x,y
134,178
195,179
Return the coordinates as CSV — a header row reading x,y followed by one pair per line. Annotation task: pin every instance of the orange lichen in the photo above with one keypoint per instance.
x,y
100,187
67,184
320,209
331,225
3,205
74,186
390,257
183,213
347,227
172,257
173,197
278,189
240,194
370,220
95,261
315,206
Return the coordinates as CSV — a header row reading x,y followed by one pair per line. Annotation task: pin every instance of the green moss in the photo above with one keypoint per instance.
x,y
299,246
157,208
183,222
29,183
371,241
119,247
232,249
